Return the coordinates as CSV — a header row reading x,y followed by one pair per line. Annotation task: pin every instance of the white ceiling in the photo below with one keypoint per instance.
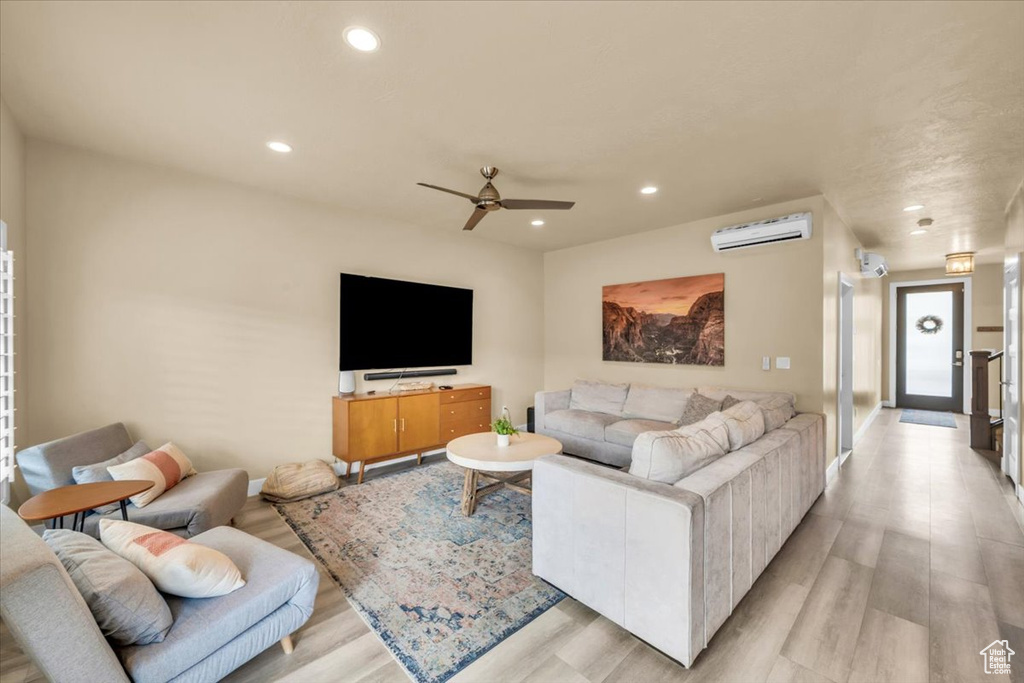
x,y
723,106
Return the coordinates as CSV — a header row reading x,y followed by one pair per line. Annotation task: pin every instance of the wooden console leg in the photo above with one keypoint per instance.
x,y
348,470
286,645
362,469
419,458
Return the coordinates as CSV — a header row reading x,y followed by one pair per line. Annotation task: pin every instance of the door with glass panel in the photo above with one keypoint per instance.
x,y
930,347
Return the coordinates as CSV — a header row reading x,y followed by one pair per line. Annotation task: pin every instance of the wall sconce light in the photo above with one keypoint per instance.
x,y
960,264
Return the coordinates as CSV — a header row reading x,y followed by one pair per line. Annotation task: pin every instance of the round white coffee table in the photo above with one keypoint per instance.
x,y
480,455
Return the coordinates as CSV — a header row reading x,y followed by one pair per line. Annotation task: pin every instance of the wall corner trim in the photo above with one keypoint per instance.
x,y
832,471
867,423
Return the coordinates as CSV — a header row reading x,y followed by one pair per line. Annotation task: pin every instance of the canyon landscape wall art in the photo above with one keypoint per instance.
x,y
680,321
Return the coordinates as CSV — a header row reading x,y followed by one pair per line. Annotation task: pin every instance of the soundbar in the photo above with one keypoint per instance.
x,y
411,373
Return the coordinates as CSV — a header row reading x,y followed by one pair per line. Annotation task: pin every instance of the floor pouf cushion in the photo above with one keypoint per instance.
x,y
299,480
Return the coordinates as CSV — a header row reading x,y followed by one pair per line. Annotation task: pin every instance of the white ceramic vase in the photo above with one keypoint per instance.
x,y
503,440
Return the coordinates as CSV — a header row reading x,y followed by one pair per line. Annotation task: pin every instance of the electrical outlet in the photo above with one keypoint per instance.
x,y
766,362
782,363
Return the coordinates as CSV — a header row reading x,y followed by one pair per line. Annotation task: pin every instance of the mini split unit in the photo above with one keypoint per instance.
x,y
796,226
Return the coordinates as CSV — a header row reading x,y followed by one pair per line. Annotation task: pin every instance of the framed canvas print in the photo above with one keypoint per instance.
x,y
679,321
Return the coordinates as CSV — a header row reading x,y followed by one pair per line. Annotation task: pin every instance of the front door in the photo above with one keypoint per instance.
x,y
929,347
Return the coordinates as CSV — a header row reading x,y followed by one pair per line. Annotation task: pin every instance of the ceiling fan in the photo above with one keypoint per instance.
x,y
489,200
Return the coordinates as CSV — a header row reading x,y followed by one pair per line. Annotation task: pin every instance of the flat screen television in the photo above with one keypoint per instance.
x,y
392,324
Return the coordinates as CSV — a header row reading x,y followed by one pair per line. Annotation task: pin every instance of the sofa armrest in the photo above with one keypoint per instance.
x,y
629,548
549,401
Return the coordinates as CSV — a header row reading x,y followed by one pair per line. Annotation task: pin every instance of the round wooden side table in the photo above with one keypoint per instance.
x,y
78,499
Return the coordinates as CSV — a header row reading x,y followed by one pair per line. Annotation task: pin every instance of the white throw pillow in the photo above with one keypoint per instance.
x,y
598,397
165,467
174,565
669,456
745,424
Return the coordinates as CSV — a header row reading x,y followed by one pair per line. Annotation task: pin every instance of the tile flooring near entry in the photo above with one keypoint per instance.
x,y
909,564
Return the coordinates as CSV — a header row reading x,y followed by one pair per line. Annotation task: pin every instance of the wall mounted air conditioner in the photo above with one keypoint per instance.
x,y
796,226
871,264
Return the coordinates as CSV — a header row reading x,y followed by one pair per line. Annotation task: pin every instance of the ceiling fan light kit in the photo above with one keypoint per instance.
x,y
488,199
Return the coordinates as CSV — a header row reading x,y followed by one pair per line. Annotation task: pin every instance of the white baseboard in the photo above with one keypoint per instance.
x,y
255,485
832,471
1020,493
888,404
867,423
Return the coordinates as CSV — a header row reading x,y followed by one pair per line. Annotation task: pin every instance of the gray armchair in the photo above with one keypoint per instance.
x,y
209,638
197,504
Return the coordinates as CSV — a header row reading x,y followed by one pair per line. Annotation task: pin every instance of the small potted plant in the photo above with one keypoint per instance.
x,y
504,428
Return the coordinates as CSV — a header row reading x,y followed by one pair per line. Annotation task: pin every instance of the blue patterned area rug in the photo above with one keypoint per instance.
x,y
928,417
439,589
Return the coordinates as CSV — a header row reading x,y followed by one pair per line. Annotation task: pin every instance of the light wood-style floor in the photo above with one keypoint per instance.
x,y
909,564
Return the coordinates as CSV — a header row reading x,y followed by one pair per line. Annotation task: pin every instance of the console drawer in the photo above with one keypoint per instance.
x,y
456,429
461,395
478,411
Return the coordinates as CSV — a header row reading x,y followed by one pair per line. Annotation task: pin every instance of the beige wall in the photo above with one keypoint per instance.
x,y
772,305
839,247
12,212
207,313
1014,252
986,310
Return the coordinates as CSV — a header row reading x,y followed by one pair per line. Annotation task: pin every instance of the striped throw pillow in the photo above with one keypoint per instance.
x,y
174,565
165,467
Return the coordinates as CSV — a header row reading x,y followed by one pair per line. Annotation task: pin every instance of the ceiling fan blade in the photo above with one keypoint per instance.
x,y
477,216
535,204
455,192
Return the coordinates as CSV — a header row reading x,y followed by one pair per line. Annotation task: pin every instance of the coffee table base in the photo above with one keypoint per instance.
x,y
471,494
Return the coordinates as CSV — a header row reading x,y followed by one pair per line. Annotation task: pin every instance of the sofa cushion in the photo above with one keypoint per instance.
x,y
276,580
745,423
655,403
598,397
88,474
126,605
777,412
624,432
669,456
582,423
176,566
199,503
49,465
713,427
165,467
699,407
759,397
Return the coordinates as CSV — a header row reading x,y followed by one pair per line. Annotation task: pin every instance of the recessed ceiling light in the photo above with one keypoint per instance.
x,y
913,207
362,39
650,189
918,232
537,223
277,146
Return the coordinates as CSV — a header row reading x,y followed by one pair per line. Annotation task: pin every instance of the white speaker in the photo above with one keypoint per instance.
x,y
346,382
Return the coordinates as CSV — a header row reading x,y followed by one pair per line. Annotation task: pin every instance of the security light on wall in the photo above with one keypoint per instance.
x,y
960,264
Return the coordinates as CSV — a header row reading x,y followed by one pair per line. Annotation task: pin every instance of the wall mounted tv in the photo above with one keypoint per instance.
x,y
388,324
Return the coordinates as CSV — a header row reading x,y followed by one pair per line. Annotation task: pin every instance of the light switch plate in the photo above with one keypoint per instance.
x,y
782,363
766,362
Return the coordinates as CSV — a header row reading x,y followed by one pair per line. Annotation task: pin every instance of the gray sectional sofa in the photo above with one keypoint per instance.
x,y
600,420
668,549
210,637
